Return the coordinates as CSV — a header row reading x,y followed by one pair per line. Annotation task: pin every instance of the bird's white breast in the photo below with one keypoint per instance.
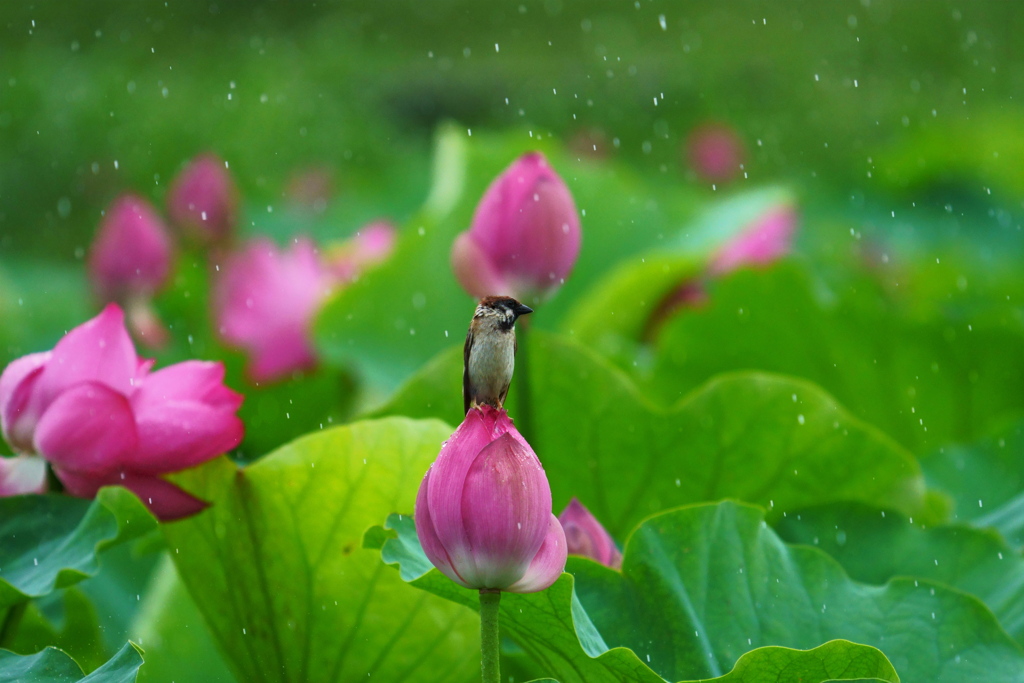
x,y
491,361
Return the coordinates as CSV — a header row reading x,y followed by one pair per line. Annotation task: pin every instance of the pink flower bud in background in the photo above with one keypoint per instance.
x,y
483,512
585,536
525,235
372,244
203,201
130,260
95,411
715,152
264,302
765,240
22,474
131,253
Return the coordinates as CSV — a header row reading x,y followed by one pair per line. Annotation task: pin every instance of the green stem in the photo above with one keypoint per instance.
x,y
524,395
490,666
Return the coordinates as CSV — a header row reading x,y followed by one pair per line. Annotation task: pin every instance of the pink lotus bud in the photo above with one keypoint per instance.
x,y
131,253
525,235
585,536
483,512
766,239
96,412
22,474
371,245
715,152
264,302
203,200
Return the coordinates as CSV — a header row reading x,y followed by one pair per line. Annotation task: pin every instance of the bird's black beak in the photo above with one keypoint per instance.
x,y
522,309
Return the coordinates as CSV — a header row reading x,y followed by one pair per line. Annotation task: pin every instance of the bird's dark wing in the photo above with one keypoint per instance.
x,y
466,394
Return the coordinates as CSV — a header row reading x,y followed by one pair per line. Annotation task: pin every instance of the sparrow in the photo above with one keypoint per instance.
x,y
490,352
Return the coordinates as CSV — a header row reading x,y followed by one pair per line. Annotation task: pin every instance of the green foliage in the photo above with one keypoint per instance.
x,y
703,585
779,442
277,568
54,666
179,646
924,380
53,541
874,546
985,480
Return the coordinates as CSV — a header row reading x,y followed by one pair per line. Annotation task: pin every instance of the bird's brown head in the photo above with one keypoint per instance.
x,y
504,309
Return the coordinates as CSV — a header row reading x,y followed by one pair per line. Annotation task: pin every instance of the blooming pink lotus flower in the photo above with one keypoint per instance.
x,y
483,512
264,302
371,244
715,152
585,536
203,200
96,412
22,474
525,235
765,240
130,260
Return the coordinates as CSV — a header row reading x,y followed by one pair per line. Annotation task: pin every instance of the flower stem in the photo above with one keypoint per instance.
x,y
490,666
524,396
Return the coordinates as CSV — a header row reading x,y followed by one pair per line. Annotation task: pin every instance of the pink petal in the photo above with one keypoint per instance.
x,y
203,200
181,434
445,484
767,239
281,353
165,500
547,564
88,428
98,350
191,380
528,227
585,536
22,474
473,269
131,254
432,546
506,503
20,404
265,301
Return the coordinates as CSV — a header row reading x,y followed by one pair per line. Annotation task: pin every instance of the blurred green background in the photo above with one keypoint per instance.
x,y
908,104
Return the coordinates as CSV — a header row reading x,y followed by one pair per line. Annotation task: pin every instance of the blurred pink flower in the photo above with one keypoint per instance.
x,y
372,244
264,302
130,260
131,253
585,536
524,238
22,474
92,408
763,241
715,152
203,201
483,512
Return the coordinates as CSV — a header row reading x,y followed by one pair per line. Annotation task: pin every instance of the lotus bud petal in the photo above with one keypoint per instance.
x,y
131,254
203,201
765,240
22,474
483,512
585,536
525,235
715,152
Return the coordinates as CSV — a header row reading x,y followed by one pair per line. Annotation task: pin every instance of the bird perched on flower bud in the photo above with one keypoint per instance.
x,y
490,352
